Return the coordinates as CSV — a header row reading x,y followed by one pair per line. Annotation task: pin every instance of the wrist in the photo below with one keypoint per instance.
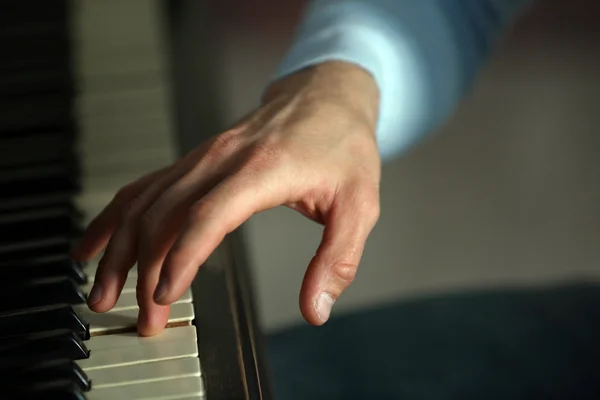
x,y
338,82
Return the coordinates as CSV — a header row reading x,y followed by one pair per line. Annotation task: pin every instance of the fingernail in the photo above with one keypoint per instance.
x,y
161,290
323,306
95,295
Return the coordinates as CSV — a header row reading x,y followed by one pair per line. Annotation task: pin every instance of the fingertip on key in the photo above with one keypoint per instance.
x,y
152,322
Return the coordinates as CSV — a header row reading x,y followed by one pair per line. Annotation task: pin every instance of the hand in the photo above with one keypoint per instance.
x,y
311,147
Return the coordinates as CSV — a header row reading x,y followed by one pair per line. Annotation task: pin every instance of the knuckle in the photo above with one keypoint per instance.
x,y
344,272
123,194
132,210
368,203
372,210
200,210
263,156
148,224
223,145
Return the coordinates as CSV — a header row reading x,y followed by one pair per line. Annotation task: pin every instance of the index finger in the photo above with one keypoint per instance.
x,y
220,212
100,229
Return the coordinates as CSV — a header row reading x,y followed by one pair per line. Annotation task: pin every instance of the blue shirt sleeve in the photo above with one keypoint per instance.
x,y
423,54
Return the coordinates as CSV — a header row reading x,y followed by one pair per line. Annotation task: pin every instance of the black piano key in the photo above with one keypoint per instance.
x,y
26,112
38,180
18,372
61,343
43,267
69,131
21,25
19,295
33,28
40,248
37,245
36,148
35,202
51,48
37,128
55,390
17,69
18,12
40,319
38,171
30,226
69,212
32,82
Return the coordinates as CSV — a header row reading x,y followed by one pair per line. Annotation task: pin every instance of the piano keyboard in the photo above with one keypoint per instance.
x,y
84,110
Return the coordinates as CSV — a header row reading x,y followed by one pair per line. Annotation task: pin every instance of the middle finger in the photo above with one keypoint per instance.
x,y
160,226
121,252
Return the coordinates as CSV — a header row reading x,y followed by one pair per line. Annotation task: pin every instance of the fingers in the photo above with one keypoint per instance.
x,y
152,318
160,226
351,219
121,252
100,229
120,225
220,212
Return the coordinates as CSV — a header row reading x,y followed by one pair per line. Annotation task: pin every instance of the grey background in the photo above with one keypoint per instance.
x,y
506,193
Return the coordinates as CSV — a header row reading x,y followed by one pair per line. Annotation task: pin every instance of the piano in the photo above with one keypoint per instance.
x,y
94,94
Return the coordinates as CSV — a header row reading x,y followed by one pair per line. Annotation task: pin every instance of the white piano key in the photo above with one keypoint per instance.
x,y
149,76
130,284
198,397
118,340
130,103
129,287
90,271
114,181
129,130
128,300
144,373
146,353
152,130
172,389
125,46
125,102
125,302
139,161
126,319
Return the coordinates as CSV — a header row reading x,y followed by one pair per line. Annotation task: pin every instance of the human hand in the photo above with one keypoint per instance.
x,y
311,147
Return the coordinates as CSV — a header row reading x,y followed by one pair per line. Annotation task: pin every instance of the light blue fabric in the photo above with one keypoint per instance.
x,y
423,54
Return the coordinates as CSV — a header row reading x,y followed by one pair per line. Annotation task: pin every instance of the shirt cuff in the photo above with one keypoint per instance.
x,y
361,34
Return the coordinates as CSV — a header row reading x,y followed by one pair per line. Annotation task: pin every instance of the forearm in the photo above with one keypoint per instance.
x,y
422,54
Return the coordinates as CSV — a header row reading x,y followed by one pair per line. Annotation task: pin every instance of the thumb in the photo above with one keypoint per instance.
x,y
333,268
